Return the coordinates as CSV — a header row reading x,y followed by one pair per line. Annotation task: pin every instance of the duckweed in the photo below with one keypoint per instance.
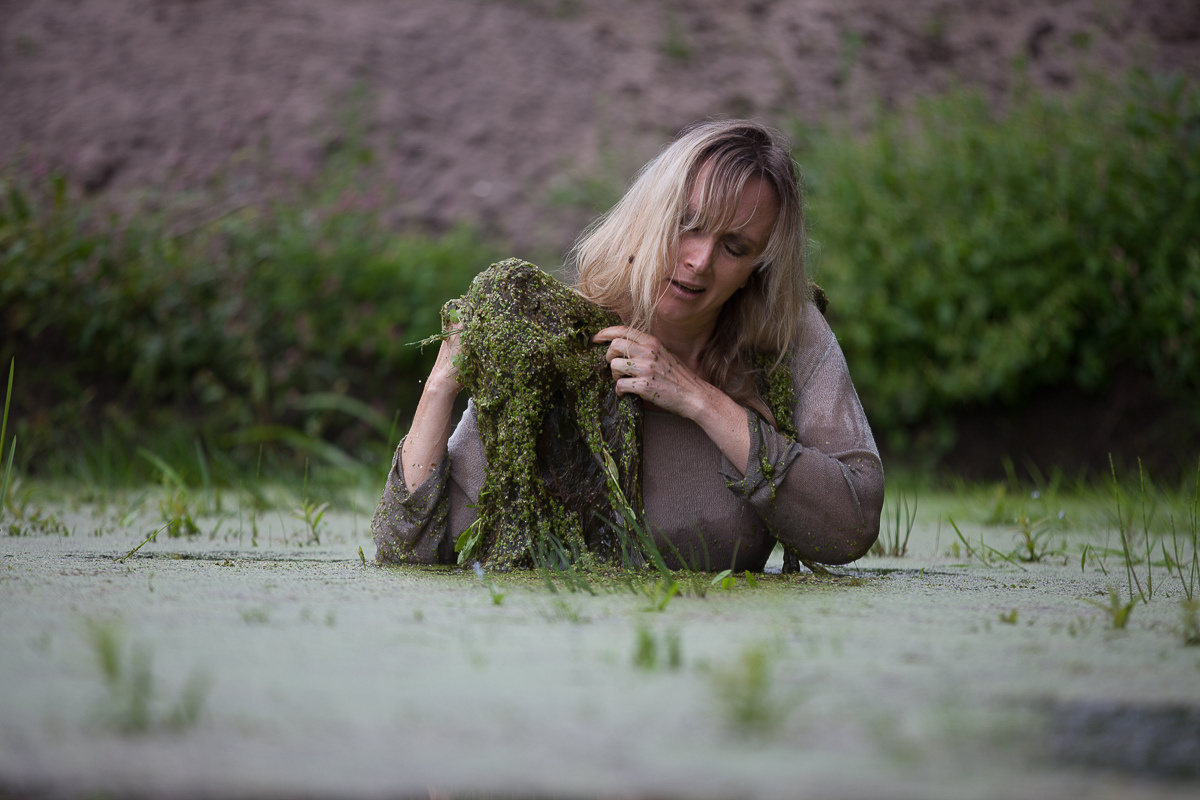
x,y
548,410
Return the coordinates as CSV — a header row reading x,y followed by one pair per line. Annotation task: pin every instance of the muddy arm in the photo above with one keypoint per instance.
x,y
410,527
421,526
822,495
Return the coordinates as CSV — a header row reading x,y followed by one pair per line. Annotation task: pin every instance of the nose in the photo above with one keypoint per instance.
x,y
696,250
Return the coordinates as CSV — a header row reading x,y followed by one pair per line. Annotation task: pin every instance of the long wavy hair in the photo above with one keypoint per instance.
x,y
624,257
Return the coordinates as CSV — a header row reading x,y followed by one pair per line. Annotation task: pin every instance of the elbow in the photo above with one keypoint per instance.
x,y
861,536
839,544
854,543
851,533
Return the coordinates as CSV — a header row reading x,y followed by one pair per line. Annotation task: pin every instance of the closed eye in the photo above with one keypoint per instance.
x,y
735,248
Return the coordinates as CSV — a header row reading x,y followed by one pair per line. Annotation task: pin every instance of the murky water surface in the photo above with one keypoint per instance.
x,y
240,665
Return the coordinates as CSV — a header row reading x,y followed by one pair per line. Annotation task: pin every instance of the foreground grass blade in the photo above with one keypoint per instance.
x,y
168,472
7,400
151,537
3,432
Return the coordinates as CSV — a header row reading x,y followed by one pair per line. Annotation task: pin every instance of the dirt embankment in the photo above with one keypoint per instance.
x,y
494,111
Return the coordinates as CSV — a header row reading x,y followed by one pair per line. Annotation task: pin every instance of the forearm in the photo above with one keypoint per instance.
x,y
425,445
724,421
410,527
420,526
824,505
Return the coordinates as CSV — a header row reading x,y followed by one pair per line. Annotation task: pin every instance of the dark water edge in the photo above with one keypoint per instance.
x,y
1146,741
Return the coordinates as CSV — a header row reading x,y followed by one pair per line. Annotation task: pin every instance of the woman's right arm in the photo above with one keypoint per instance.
x,y
410,523
425,445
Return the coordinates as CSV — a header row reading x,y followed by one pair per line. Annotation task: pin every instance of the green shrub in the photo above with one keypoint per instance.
x,y
974,257
287,323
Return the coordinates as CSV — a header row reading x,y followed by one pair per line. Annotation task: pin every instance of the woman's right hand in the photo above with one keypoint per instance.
x,y
445,368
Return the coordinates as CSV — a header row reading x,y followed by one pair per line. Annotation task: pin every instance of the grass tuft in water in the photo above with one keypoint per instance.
x,y
659,593
1118,609
890,543
745,692
649,653
1191,621
493,588
130,706
645,649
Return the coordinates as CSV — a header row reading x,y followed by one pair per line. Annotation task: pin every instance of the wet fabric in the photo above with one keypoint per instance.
x,y
820,494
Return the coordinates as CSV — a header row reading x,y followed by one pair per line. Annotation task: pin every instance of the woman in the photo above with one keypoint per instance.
x,y
703,260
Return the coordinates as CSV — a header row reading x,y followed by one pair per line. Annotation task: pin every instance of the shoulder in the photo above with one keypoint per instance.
x,y
815,343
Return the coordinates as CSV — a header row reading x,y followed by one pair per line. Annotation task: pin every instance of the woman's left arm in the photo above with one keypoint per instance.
x,y
823,494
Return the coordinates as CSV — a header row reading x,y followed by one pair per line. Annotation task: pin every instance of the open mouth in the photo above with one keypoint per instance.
x,y
683,287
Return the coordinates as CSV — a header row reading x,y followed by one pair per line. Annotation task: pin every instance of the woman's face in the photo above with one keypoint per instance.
x,y
713,264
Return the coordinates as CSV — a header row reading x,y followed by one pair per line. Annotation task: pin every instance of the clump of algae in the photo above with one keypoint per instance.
x,y
548,412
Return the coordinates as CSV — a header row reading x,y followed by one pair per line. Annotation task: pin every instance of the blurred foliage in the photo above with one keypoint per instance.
x,y
974,256
282,325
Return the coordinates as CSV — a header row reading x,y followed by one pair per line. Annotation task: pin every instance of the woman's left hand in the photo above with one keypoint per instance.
x,y
642,365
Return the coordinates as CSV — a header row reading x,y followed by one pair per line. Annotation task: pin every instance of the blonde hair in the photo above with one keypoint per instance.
x,y
623,258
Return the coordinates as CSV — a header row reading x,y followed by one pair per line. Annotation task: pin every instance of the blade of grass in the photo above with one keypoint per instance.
x,y
299,441
205,474
330,401
3,432
153,535
1130,573
168,472
7,477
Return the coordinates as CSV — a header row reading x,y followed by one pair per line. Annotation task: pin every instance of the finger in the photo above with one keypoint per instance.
x,y
631,385
627,348
624,367
642,387
610,333
617,348
640,337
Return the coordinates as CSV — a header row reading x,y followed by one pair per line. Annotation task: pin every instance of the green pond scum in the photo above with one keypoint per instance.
x,y
550,420
548,413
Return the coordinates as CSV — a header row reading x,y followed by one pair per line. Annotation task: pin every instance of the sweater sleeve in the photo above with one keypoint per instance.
x,y
821,495
422,526
409,526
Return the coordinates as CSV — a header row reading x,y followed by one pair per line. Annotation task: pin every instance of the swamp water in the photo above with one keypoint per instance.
x,y
214,667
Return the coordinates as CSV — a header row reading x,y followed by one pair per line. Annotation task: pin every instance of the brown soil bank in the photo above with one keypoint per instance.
x,y
482,109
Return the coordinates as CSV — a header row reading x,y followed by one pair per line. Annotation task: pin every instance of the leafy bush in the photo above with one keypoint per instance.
x,y
282,323
972,258
975,257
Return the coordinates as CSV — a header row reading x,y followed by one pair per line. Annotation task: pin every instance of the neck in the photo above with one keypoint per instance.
x,y
688,343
